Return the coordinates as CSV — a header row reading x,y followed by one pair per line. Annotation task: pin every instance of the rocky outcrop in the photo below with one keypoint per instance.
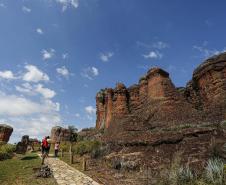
x,y
207,89
156,102
160,121
5,132
59,134
21,147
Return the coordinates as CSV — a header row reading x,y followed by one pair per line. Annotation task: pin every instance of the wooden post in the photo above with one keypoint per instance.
x,y
71,158
84,164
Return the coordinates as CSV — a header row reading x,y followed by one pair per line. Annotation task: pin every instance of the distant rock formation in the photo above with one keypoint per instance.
x,y
59,134
22,146
5,132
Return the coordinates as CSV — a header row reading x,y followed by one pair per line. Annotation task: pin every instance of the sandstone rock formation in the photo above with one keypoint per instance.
x,y
5,132
59,134
158,119
22,146
155,101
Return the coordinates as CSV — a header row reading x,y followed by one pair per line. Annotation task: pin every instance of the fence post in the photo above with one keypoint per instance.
x,y
84,164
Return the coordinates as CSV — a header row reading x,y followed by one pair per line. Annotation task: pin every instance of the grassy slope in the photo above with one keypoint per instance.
x,y
19,171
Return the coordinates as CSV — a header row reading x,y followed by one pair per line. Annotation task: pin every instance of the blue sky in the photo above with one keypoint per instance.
x,y
56,54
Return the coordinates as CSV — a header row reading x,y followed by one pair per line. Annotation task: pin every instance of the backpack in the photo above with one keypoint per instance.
x,y
45,143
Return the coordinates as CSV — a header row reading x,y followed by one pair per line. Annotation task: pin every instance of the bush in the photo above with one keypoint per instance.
x,y
215,171
6,151
85,147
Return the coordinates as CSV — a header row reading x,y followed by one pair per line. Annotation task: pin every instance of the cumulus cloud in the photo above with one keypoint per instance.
x,y
90,110
45,92
20,106
34,74
25,88
7,75
68,3
39,31
63,71
32,90
26,9
90,72
153,55
48,54
36,126
105,57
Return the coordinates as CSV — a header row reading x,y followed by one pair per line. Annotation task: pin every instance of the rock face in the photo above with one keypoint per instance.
x,y
5,132
158,102
158,119
59,134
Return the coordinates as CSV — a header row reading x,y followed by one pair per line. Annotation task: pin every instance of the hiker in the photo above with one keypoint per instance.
x,y
56,148
45,148
49,144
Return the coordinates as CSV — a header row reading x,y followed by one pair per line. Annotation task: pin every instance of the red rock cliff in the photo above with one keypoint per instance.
x,y
155,101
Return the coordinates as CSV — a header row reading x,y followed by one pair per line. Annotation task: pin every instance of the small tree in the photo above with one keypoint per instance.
x,y
73,138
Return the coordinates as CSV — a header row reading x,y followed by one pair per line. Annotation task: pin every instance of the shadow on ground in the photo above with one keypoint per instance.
x,y
29,157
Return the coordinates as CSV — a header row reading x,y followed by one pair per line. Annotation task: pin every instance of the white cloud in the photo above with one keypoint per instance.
x,y
63,71
153,55
45,92
65,56
77,115
26,88
7,75
68,3
105,57
47,54
160,45
39,31
32,90
33,74
2,5
26,9
36,126
206,52
90,72
20,106
90,110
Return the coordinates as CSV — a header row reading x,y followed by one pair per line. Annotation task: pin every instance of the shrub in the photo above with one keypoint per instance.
x,y
84,147
214,171
6,151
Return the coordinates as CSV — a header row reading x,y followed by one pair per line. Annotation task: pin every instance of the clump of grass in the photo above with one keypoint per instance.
x,y
185,175
214,171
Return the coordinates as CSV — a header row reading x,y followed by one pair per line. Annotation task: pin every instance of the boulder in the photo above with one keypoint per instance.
x,y
5,132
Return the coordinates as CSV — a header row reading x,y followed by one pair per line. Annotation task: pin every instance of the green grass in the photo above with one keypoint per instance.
x,y
19,171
